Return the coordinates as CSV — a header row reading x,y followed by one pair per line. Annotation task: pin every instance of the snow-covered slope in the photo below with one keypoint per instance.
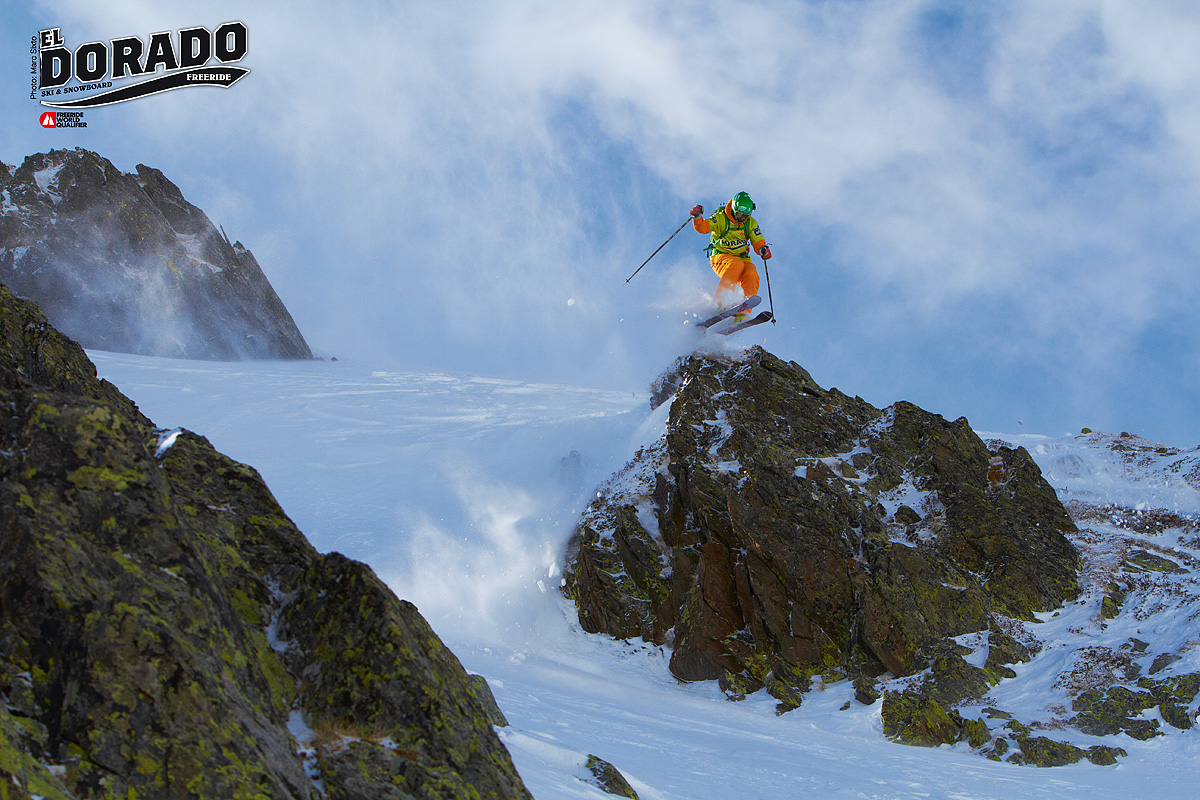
x,y
461,492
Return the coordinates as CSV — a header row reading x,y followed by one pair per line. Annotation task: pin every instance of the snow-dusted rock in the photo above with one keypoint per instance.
x,y
779,531
124,263
166,631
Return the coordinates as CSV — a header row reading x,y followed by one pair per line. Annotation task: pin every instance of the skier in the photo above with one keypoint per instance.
x,y
733,233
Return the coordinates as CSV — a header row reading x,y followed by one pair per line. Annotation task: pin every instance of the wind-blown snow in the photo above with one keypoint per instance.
x,y
1124,469
195,251
47,181
461,493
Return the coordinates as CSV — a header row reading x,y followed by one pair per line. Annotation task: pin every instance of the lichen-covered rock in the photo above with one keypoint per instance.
x,y
123,262
1002,651
976,732
924,714
865,690
23,774
1104,756
1174,697
141,593
1143,561
996,749
628,564
1120,709
366,771
38,352
952,679
780,531
609,778
1111,605
913,717
1115,711
996,514
145,644
483,692
370,661
1041,751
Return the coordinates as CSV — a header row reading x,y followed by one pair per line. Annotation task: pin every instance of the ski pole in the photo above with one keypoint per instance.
x,y
660,247
769,298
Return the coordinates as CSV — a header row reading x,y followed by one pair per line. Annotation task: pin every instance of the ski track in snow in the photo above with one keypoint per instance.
x,y
461,492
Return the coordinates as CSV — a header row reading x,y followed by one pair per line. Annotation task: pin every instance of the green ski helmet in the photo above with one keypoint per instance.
x,y
742,204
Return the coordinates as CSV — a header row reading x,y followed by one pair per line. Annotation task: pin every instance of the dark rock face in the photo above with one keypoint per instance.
x,y
356,651
609,778
124,263
780,531
162,621
1119,709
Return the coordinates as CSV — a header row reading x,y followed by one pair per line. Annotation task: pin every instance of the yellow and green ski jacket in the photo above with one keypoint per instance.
x,y
728,236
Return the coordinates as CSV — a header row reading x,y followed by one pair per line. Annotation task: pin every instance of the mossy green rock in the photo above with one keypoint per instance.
x,y
1041,751
1105,756
1143,561
483,692
913,717
1110,606
1120,709
952,680
22,772
763,551
370,663
35,350
354,772
609,778
1175,697
138,591
1115,711
1002,651
628,564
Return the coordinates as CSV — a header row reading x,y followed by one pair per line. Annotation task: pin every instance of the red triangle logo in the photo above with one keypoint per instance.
x,y
49,119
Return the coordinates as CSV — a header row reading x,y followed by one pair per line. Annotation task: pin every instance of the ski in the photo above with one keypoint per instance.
x,y
759,320
749,303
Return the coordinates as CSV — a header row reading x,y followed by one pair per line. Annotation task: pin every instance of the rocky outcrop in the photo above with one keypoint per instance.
x,y
604,775
780,531
124,263
167,632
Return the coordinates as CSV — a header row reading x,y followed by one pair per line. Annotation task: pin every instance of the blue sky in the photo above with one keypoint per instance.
x,y
989,209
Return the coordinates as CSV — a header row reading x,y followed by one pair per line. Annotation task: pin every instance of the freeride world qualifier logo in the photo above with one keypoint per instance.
x,y
102,73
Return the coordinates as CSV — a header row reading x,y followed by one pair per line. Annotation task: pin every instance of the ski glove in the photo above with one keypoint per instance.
x,y
697,211
765,252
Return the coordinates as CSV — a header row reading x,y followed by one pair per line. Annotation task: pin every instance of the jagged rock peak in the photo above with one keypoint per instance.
x,y
167,632
779,530
123,262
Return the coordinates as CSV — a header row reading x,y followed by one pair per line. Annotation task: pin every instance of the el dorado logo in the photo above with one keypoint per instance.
x,y
183,57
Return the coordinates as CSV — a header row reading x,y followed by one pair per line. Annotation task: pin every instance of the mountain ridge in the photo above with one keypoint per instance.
x,y
122,262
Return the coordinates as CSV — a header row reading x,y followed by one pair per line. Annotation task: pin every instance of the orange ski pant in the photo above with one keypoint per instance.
x,y
734,271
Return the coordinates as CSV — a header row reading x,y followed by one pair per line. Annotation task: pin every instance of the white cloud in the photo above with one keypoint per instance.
x,y
1036,162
